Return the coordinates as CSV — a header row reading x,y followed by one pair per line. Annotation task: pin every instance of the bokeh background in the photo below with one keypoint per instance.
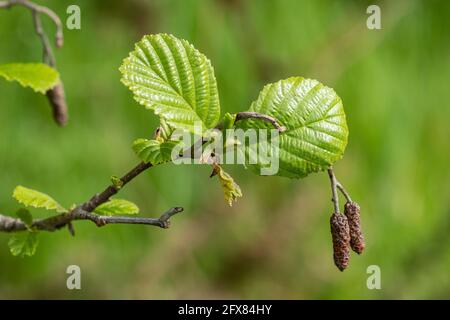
x,y
275,241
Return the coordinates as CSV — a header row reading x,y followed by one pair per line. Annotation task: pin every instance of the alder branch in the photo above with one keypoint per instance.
x,y
239,116
256,115
84,211
59,38
111,190
334,193
9,224
344,192
48,56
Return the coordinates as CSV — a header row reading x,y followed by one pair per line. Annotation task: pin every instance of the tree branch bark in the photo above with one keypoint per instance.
x,y
84,211
59,38
256,115
334,193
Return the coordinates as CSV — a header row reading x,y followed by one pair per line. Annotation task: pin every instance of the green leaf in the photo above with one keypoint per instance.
x,y
154,151
36,199
166,130
175,80
39,76
314,117
231,189
117,206
23,244
228,121
25,216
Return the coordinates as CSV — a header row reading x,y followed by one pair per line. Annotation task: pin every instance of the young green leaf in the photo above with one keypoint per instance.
x,y
25,216
23,244
36,199
175,80
117,206
39,76
165,130
228,121
231,189
314,117
154,151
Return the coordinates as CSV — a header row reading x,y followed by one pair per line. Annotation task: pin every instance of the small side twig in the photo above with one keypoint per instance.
x,y
111,190
48,55
85,211
257,115
334,183
162,222
59,38
344,192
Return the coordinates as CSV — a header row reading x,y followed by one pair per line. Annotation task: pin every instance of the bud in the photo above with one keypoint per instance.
x,y
352,211
340,233
58,103
59,41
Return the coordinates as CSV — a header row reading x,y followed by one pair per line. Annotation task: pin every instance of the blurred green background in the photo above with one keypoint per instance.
x,y
275,242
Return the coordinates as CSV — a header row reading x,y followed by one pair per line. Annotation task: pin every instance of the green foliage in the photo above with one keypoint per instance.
x,y
385,79
228,121
25,216
23,244
165,130
231,189
36,199
39,76
175,80
117,206
154,151
313,114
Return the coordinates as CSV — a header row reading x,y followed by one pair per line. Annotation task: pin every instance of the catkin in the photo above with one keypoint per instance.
x,y
352,212
340,233
58,104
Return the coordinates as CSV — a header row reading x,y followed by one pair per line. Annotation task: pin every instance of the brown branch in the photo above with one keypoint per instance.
x,y
334,183
344,192
260,116
111,190
84,212
59,38
162,222
47,54
9,224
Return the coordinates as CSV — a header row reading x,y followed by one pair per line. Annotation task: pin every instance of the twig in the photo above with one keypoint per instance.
x,y
335,197
59,38
9,224
344,192
84,212
162,222
257,115
48,55
239,116
111,190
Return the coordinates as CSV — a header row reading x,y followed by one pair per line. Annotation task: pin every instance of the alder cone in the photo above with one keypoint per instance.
x,y
340,233
57,101
352,212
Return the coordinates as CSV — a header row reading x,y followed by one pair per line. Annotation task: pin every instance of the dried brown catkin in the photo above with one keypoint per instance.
x,y
57,101
340,233
352,212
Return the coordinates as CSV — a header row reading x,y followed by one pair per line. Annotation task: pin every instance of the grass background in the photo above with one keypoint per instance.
x,y
275,242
